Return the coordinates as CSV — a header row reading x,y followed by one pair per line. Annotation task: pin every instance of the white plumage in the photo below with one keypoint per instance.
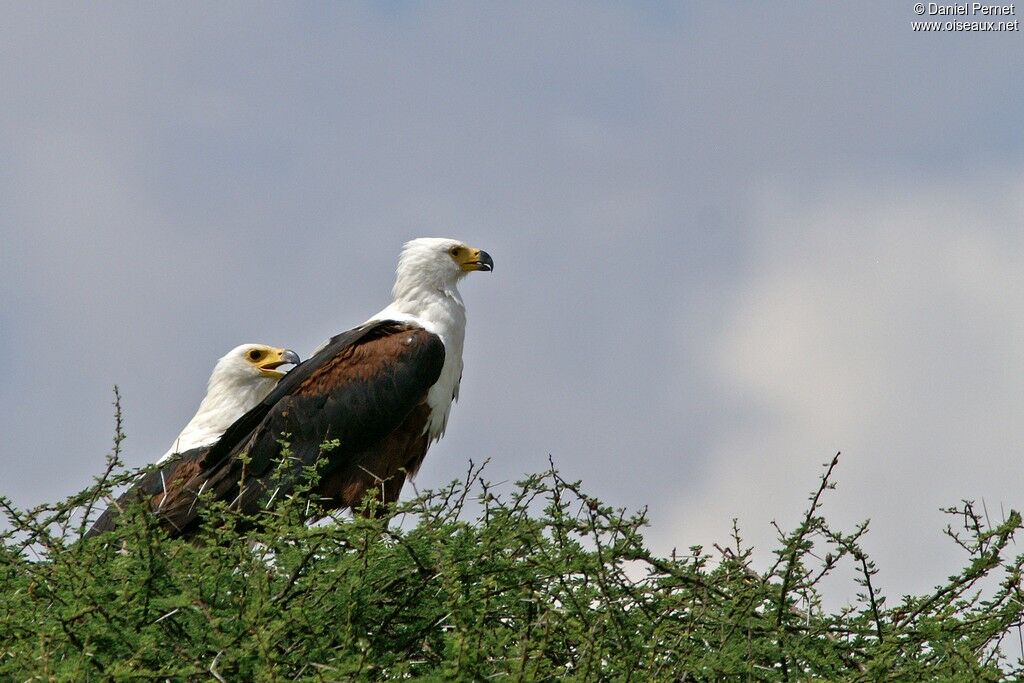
x,y
426,294
241,379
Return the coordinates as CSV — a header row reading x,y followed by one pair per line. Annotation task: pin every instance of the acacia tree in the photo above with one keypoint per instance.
x,y
539,581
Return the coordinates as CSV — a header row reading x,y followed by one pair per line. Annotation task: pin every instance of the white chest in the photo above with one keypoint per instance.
x,y
442,314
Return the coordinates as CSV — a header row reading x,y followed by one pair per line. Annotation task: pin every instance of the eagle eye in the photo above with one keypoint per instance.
x,y
454,251
255,355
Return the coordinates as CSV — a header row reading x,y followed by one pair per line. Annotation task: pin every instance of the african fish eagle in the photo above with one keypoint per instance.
x,y
383,390
240,380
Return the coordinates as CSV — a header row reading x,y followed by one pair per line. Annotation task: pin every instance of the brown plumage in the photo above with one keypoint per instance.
x,y
382,469
154,487
382,391
367,388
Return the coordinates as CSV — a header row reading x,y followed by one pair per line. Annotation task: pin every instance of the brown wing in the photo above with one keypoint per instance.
x,y
382,468
368,394
152,487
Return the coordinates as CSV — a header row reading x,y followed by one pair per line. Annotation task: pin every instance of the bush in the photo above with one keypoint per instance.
x,y
539,582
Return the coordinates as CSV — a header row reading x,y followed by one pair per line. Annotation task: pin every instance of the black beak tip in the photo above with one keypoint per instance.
x,y
291,357
486,262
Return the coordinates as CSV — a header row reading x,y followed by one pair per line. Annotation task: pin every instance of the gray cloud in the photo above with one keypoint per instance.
x,y
887,327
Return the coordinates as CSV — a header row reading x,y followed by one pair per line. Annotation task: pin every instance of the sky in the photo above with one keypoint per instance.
x,y
731,239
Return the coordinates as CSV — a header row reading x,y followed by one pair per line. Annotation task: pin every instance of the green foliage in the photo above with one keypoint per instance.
x,y
469,582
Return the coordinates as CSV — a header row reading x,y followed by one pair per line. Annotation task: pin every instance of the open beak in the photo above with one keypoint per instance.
x,y
479,260
276,359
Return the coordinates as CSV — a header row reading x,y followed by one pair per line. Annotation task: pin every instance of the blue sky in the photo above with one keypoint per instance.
x,y
731,239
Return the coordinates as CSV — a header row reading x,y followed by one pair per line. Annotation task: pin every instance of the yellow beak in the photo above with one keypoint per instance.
x,y
477,259
275,359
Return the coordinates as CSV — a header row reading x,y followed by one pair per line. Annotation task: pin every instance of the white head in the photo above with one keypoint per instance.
x,y
436,263
248,362
241,379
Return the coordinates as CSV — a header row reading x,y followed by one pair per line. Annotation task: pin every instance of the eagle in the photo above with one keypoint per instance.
x,y
241,378
381,392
